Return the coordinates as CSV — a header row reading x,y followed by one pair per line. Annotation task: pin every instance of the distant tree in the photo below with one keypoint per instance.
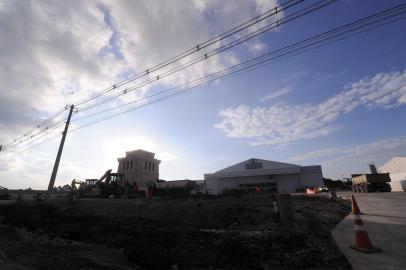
x,y
328,182
347,183
334,184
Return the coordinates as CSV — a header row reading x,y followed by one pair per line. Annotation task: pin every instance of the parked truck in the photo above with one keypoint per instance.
x,y
371,182
178,188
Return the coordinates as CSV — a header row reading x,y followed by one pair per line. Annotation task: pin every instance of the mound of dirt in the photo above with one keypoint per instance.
x,y
21,249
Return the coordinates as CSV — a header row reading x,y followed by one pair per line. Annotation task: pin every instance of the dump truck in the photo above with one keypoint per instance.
x,y
377,182
371,182
179,188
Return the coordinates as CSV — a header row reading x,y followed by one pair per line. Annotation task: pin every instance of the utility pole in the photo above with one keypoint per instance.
x,y
58,156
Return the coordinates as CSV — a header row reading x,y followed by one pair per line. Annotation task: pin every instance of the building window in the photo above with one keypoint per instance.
x,y
145,166
123,166
131,166
153,166
149,166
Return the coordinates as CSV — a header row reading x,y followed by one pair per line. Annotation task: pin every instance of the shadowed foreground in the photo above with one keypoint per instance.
x,y
230,232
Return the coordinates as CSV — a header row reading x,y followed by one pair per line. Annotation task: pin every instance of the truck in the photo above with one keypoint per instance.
x,y
373,182
178,188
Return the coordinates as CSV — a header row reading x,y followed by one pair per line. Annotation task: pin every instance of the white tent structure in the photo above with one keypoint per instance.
x,y
270,175
396,167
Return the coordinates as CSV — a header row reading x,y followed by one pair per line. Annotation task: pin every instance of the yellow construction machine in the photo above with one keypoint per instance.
x,y
110,184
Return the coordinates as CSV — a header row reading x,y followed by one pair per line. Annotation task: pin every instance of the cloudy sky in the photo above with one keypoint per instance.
x,y
341,105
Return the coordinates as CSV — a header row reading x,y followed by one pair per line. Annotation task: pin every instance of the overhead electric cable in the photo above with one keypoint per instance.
x,y
339,33
218,38
28,149
276,10
32,131
331,35
35,138
273,25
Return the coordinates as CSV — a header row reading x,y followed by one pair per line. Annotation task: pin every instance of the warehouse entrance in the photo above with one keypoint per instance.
x,y
270,187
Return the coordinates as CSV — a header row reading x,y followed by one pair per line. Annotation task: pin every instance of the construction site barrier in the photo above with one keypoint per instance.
x,y
312,190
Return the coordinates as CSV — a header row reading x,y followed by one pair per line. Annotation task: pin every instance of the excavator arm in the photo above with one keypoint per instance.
x,y
74,183
104,175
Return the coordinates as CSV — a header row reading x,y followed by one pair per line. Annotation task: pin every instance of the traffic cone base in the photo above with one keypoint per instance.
x,y
362,241
367,250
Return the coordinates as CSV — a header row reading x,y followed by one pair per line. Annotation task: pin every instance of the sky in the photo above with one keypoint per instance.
x,y
341,105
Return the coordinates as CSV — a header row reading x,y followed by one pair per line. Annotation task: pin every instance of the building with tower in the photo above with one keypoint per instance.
x,y
139,166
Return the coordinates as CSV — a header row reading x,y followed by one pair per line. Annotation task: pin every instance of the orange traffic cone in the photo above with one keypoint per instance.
x,y
362,242
354,206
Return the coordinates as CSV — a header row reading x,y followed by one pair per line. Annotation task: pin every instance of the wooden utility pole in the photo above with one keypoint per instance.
x,y
58,156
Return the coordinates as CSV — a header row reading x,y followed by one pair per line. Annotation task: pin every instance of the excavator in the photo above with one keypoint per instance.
x,y
110,184
4,194
73,187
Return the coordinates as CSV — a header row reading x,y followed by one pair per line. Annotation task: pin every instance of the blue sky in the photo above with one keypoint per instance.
x,y
327,106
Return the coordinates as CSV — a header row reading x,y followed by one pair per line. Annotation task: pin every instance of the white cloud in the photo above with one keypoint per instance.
x,y
167,157
54,53
321,153
337,162
283,91
47,52
284,123
374,151
152,31
257,48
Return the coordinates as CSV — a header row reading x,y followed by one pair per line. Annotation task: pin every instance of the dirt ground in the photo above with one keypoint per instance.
x,y
227,232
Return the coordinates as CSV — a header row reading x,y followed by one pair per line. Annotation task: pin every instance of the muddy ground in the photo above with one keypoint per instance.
x,y
229,232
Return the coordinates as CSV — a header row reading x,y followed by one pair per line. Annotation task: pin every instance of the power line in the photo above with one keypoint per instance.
x,y
311,43
333,35
243,26
43,133
289,47
31,133
200,46
28,149
268,27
